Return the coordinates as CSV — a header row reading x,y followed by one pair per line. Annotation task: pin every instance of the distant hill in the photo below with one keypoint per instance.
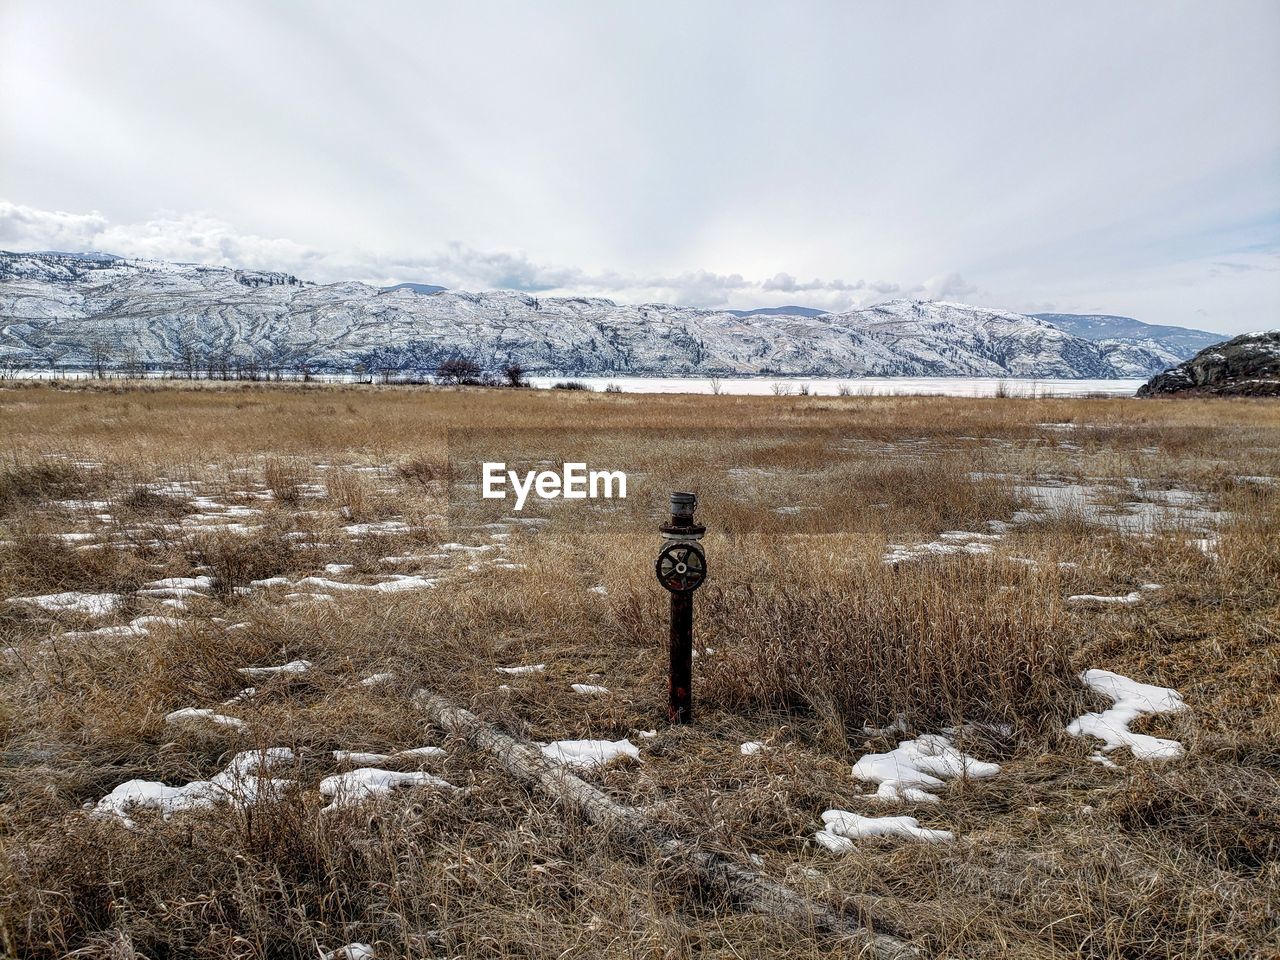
x,y
778,312
418,287
1182,342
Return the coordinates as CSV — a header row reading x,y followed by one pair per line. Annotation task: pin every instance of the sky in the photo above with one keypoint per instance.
x,y
1092,157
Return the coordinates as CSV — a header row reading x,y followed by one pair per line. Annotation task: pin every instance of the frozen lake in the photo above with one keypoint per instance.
x,y
751,386
857,386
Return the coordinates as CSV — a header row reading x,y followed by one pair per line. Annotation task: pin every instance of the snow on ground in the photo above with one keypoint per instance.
x,y
515,671
350,788
953,541
841,828
913,768
751,748
397,583
381,526
589,753
243,780
91,604
1129,599
352,951
589,689
369,759
266,673
138,627
1130,700
187,714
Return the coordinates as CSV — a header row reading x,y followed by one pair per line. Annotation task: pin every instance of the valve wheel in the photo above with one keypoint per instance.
x,y
681,567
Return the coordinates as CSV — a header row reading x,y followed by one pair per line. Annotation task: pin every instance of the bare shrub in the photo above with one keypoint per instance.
x,y
420,471
38,481
142,501
349,491
235,561
285,477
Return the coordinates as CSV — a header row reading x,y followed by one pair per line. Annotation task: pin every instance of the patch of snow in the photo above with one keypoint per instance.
x,y
841,828
589,753
396,584
382,526
196,713
913,768
951,542
354,786
352,951
1130,700
589,689
242,782
370,759
515,671
92,604
265,673
1129,599
751,748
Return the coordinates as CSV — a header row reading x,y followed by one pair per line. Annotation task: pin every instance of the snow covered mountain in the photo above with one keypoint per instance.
x,y
72,310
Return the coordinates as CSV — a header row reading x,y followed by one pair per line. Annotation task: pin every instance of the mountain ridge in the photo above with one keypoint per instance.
x,y
1109,328
69,310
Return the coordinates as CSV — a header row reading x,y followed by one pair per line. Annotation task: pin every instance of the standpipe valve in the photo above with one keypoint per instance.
x,y
681,568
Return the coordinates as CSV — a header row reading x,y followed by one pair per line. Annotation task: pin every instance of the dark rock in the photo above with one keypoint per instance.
x,y
1246,366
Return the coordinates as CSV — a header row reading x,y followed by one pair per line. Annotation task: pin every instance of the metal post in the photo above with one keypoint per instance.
x,y
681,567
680,694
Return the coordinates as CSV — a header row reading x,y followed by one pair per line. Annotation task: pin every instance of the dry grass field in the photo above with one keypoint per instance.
x,y
880,569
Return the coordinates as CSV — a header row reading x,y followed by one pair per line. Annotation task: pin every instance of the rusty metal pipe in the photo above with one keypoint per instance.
x,y
681,568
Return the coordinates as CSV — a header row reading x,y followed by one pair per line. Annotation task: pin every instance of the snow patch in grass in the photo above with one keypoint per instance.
x,y
589,753
1128,600
382,526
1130,700
352,951
909,771
516,671
370,759
751,748
350,788
397,583
92,604
951,542
266,673
589,689
241,783
186,714
841,828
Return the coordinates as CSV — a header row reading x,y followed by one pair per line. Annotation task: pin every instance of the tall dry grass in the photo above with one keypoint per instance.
x,y
813,637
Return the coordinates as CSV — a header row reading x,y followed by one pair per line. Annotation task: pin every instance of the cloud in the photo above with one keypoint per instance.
x,y
200,238
950,286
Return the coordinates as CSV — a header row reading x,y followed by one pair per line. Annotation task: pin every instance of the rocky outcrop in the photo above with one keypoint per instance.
x,y
1247,366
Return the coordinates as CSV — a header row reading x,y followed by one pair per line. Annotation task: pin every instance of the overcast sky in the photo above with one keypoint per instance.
x,y
1119,157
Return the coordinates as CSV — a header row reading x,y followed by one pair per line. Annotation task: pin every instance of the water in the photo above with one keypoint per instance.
x,y
858,386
